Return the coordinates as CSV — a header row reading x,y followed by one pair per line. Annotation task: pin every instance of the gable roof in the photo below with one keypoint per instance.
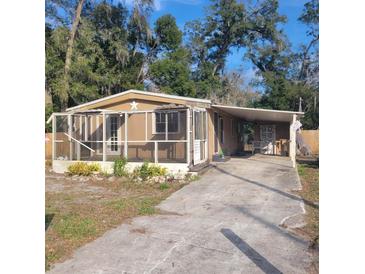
x,y
146,93
249,114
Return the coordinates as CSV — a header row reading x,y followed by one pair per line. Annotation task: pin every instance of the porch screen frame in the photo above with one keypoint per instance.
x,y
102,117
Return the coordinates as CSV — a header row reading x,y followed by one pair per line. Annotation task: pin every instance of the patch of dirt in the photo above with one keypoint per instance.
x,y
141,230
166,212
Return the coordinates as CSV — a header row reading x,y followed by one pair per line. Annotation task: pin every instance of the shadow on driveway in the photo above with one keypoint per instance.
x,y
288,195
274,227
251,253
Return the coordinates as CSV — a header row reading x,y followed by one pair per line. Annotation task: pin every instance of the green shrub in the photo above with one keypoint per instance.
x,y
120,167
95,167
146,171
143,171
82,168
156,170
164,186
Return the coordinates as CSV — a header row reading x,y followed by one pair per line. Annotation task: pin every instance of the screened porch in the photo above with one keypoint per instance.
x,y
165,135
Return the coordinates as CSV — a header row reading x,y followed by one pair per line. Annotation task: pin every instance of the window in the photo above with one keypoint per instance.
x,y
160,122
114,133
172,122
267,133
200,125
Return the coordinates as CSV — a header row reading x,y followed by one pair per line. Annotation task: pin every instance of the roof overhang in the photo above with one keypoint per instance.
x,y
257,114
147,94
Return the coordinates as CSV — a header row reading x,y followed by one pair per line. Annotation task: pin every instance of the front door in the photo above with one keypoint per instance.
x,y
200,136
268,137
113,123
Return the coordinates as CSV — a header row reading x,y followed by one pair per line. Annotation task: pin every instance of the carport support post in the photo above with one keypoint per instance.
x,y
293,144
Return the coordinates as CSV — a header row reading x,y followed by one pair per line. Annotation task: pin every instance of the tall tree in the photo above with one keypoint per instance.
x,y
309,57
171,72
70,44
290,78
140,34
168,35
224,22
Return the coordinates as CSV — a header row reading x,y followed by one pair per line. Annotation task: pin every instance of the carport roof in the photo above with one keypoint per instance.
x,y
258,114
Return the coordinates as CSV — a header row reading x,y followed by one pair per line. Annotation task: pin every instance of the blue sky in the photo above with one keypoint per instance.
x,y
187,10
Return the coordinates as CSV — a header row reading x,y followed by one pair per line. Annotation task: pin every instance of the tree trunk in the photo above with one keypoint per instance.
x,y
66,85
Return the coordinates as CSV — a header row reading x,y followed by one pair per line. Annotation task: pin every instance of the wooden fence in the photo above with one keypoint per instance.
x,y
311,138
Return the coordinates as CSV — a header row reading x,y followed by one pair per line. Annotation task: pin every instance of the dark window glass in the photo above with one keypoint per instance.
x,y
172,120
114,133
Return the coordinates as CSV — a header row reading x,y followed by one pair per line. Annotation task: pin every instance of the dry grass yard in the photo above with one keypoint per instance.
x,y
309,176
80,209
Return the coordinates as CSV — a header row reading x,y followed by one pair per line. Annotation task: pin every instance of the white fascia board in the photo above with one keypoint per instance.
x,y
142,93
259,109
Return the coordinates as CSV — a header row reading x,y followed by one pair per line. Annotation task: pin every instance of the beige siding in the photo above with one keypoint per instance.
x,y
230,136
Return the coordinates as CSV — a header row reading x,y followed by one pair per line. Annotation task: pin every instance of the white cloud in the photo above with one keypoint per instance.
x,y
161,4
158,5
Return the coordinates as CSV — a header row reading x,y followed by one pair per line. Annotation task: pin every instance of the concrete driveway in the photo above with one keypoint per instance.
x,y
227,222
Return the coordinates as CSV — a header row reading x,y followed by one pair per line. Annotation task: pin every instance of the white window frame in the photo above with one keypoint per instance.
x,y
264,130
110,142
164,132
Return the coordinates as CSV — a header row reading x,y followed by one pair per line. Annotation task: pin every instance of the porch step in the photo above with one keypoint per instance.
x,y
200,169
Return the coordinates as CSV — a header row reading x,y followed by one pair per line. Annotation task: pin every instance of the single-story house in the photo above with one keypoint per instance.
x,y
177,132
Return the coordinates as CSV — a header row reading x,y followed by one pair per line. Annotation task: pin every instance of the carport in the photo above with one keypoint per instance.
x,y
276,125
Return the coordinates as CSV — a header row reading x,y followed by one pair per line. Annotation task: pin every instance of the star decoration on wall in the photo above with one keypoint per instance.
x,y
134,105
